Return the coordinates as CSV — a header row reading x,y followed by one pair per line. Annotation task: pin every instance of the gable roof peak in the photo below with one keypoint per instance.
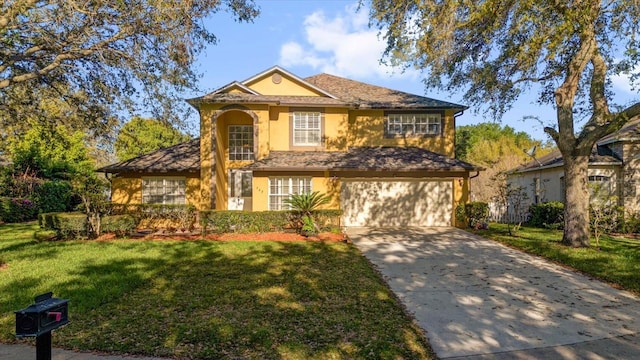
x,y
276,68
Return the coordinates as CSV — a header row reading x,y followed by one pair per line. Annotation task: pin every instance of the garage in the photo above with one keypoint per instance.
x,y
393,202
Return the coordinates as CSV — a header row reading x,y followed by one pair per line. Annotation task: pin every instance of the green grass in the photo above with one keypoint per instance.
x,y
616,261
205,299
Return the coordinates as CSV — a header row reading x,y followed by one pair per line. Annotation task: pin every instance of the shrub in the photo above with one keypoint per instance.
x,y
14,210
54,196
71,225
629,223
48,221
157,216
473,214
224,221
118,224
547,215
304,206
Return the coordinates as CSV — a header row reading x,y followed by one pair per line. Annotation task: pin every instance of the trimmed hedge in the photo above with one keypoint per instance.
x,y
226,221
118,224
547,215
179,216
70,225
74,225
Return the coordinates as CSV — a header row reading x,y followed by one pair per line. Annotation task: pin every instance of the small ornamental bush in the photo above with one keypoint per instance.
x,y
474,214
547,215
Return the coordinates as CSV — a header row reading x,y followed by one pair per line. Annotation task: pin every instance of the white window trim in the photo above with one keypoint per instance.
x,y
413,124
286,191
306,129
181,190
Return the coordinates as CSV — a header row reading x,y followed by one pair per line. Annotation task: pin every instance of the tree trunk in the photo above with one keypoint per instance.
x,y
576,208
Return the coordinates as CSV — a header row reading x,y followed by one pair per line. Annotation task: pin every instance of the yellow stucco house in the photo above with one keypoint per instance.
x,y
385,157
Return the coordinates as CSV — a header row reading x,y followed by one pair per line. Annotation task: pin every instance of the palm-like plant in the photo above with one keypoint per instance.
x,y
306,204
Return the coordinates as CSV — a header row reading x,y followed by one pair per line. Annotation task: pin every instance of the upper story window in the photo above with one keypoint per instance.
x,y
413,124
163,190
240,142
307,128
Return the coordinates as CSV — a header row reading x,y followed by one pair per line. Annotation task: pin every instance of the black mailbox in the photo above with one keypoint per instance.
x,y
48,313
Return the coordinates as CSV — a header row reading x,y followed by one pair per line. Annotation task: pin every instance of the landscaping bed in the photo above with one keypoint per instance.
x,y
265,236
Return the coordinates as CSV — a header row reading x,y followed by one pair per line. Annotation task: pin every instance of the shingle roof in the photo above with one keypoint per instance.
x,y
599,155
630,131
180,157
376,97
269,99
362,159
334,90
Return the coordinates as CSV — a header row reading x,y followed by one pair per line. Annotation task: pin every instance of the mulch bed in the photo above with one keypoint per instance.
x,y
269,236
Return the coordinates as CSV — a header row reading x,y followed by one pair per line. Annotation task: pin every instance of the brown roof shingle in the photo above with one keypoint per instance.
x,y
599,155
181,157
376,97
362,159
335,91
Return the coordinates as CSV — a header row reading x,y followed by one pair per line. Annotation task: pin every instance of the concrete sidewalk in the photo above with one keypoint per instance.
x,y
477,299
24,352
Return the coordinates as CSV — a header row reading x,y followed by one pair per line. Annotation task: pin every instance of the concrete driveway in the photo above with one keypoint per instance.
x,y
477,299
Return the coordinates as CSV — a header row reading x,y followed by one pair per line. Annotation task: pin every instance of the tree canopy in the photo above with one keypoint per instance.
x,y
106,55
140,136
494,50
496,147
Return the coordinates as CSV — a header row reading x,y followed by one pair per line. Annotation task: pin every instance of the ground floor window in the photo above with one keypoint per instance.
x,y
164,190
281,188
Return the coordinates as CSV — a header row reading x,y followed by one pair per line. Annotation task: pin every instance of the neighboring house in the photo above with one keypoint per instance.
x,y
614,171
385,157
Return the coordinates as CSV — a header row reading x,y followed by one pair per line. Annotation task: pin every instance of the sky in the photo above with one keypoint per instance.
x,y
311,37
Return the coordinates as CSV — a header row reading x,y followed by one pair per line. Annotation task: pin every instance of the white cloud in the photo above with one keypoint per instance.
x,y
342,45
622,82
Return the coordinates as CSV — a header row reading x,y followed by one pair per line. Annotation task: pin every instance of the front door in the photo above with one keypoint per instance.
x,y
240,190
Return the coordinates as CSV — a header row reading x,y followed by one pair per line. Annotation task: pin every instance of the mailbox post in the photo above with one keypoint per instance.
x,y
39,319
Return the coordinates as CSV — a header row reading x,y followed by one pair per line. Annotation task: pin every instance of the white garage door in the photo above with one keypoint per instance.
x,y
383,203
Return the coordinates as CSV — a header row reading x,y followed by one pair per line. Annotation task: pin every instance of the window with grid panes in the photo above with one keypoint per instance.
x,y
413,124
307,128
240,142
600,187
165,191
281,188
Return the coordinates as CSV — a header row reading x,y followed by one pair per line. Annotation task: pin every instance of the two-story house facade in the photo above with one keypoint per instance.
x,y
385,157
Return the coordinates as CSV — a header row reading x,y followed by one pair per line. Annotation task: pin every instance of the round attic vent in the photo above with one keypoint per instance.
x,y
276,78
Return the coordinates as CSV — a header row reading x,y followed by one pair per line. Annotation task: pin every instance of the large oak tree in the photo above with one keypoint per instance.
x,y
105,56
496,49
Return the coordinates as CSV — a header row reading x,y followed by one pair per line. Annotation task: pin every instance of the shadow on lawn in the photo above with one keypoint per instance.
x,y
238,300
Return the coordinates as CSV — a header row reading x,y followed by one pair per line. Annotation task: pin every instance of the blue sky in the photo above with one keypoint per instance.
x,y
311,37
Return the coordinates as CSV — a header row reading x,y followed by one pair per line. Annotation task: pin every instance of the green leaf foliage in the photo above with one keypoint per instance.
x,y
50,152
141,136
308,202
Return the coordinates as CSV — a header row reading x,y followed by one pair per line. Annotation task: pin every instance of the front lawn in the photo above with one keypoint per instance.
x,y
617,261
208,299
